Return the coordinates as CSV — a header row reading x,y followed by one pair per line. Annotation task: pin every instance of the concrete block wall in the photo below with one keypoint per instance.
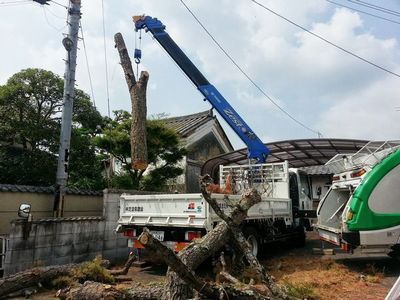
x,y
55,241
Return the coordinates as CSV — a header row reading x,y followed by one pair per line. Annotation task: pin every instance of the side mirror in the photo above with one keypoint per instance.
x,y
24,211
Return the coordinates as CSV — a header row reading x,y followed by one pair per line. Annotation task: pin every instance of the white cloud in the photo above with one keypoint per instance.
x,y
369,114
317,83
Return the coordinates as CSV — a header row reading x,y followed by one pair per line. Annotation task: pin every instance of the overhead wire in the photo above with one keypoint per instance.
x,y
363,12
376,7
391,10
326,40
54,14
59,4
14,3
87,64
105,59
258,87
49,23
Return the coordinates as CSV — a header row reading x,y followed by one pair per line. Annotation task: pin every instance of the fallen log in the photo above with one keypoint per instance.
x,y
197,252
96,290
211,291
240,242
32,277
170,258
36,276
126,267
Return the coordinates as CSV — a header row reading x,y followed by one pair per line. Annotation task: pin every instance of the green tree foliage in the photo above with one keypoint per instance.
x,y
164,152
30,118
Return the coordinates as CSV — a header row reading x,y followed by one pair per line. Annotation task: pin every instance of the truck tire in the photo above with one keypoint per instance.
x,y
253,239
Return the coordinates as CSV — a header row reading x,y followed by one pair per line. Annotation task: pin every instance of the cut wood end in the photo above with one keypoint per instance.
x,y
144,74
139,165
144,238
138,18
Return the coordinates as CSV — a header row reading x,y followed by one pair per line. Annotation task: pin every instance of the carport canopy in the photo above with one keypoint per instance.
x,y
298,153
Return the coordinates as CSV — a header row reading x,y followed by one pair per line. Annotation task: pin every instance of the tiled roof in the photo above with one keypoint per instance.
x,y
45,190
184,125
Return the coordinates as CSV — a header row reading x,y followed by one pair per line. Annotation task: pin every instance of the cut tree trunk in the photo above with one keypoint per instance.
x,y
32,277
198,251
137,91
96,290
209,290
240,242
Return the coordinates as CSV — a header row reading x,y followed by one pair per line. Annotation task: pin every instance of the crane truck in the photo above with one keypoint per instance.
x,y
362,207
178,219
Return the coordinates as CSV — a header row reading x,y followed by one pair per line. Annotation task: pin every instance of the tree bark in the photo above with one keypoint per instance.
x,y
126,267
241,243
169,257
198,251
137,91
32,277
96,290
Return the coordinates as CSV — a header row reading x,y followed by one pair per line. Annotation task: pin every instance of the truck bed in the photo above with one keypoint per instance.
x,y
191,210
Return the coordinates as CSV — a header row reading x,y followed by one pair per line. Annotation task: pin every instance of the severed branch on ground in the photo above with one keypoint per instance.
x,y
197,252
126,267
209,290
170,258
36,276
96,290
240,241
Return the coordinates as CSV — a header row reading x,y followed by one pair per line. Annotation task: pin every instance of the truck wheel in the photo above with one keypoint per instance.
x,y
253,239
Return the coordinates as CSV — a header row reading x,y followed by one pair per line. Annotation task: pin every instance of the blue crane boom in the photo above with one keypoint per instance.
x,y
255,147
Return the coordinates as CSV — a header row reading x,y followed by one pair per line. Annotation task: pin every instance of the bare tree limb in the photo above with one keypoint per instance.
x,y
197,252
126,267
156,247
240,241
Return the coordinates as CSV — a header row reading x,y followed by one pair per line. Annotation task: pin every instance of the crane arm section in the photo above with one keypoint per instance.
x,y
256,148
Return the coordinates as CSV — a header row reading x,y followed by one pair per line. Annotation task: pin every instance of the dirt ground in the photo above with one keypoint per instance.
x,y
307,276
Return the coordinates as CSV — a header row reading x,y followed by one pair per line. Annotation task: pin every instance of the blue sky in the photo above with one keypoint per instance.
x,y
319,85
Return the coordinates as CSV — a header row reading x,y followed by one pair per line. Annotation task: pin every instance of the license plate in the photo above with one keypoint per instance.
x,y
159,235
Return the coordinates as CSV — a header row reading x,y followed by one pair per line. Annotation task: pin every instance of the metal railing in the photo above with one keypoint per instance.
x,y
368,156
262,177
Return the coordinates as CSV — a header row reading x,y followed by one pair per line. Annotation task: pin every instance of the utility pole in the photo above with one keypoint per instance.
x,y
70,43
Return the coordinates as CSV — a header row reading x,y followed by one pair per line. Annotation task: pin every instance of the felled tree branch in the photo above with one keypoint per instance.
x,y
169,257
126,267
239,239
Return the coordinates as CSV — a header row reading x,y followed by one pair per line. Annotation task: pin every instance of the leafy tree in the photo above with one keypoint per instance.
x,y
30,117
164,152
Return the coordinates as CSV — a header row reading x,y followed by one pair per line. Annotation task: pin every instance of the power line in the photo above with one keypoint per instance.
x,y
48,22
248,76
105,58
14,3
87,65
363,12
376,7
59,4
326,41
393,11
